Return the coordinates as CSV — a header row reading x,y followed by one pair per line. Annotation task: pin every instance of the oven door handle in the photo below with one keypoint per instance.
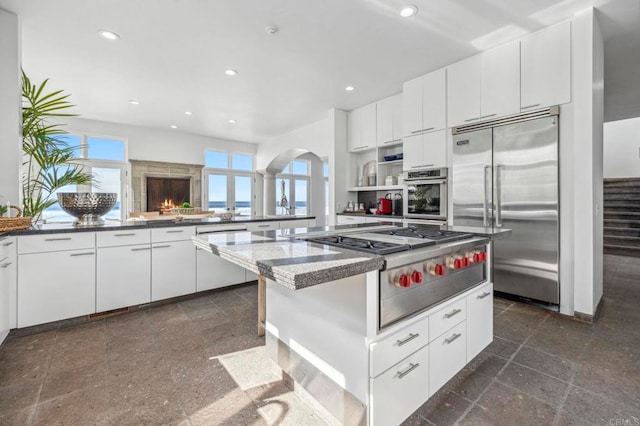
x,y
485,202
425,182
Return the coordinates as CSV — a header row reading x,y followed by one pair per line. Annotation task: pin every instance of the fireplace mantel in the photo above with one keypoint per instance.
x,y
141,170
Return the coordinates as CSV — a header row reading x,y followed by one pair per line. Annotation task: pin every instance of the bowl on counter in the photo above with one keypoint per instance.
x,y
87,207
373,211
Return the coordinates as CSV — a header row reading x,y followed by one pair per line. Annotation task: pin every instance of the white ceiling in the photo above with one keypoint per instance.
x,y
172,55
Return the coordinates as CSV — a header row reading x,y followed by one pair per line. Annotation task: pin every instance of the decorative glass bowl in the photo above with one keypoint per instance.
x,y
87,207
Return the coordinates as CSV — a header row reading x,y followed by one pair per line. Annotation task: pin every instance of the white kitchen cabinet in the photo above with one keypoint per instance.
x,y
296,223
424,103
463,91
545,61
399,391
447,317
447,356
262,226
56,242
56,285
479,320
123,238
350,220
425,150
500,89
178,233
173,269
389,120
215,272
394,348
123,275
7,285
362,128
374,219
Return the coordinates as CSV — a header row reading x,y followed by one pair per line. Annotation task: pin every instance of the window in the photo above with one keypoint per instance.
x,y
105,160
228,181
292,189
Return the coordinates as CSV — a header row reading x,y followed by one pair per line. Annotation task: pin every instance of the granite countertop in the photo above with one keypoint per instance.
x,y
388,216
295,264
114,225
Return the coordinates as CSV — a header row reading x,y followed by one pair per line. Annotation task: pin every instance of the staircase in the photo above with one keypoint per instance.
x,y
622,216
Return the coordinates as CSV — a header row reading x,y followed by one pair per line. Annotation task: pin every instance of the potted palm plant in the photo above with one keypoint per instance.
x,y
49,160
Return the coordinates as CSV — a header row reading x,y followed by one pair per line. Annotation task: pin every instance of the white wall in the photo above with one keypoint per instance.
x,y
622,148
10,104
150,144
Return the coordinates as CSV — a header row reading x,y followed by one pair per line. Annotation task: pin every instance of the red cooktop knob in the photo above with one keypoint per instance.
x,y
465,261
416,277
457,264
483,255
440,270
477,257
404,280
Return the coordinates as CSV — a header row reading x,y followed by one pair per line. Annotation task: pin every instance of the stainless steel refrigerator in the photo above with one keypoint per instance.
x,y
505,175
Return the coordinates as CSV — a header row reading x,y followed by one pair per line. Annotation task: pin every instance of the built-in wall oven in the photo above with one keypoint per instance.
x,y
425,194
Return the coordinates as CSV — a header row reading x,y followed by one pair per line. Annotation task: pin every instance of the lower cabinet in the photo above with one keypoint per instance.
x,y
447,356
123,276
479,320
173,268
215,272
350,220
7,284
400,390
56,285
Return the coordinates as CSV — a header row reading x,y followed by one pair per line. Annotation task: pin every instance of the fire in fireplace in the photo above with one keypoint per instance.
x,y
164,194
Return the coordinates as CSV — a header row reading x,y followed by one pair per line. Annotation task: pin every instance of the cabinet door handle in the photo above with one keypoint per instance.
x,y
530,106
89,253
422,165
407,339
452,313
263,226
7,244
5,265
483,295
58,239
175,231
125,235
361,147
448,340
487,116
472,119
411,367
393,141
163,246
141,248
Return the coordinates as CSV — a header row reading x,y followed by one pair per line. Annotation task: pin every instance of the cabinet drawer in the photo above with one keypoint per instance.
x,y
392,349
172,234
262,226
298,223
347,220
447,317
400,390
479,320
447,356
123,238
56,242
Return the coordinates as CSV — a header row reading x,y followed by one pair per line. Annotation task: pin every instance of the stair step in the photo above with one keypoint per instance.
x,y
633,197
621,223
622,182
621,250
630,205
623,231
622,240
608,214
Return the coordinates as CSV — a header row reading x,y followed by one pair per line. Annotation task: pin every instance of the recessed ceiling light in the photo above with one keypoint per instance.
x,y
173,126
231,72
134,102
349,88
408,11
232,121
188,113
109,35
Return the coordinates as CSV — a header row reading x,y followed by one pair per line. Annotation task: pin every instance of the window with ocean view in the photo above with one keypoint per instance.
x,y
228,181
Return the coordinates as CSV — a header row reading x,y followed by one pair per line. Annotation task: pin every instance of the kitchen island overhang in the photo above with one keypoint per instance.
x,y
327,337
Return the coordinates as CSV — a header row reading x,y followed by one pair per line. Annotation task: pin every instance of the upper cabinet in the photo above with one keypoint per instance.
x,y
424,103
484,86
389,120
362,128
546,67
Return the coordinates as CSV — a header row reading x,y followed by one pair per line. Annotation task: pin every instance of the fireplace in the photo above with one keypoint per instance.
x,y
164,193
185,177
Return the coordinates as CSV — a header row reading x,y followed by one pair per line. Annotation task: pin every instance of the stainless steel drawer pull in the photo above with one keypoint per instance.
x,y
263,226
422,165
361,147
141,248
411,367
58,239
393,141
89,253
530,106
7,244
175,231
487,116
125,235
452,313
407,339
5,265
165,246
483,295
472,119
452,338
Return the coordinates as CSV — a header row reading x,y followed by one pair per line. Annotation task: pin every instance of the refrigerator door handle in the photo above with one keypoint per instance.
x,y
485,204
498,200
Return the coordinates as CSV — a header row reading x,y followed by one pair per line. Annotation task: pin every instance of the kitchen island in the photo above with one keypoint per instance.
x,y
327,328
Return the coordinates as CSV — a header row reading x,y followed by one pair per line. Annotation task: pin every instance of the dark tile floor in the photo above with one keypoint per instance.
x,y
165,365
